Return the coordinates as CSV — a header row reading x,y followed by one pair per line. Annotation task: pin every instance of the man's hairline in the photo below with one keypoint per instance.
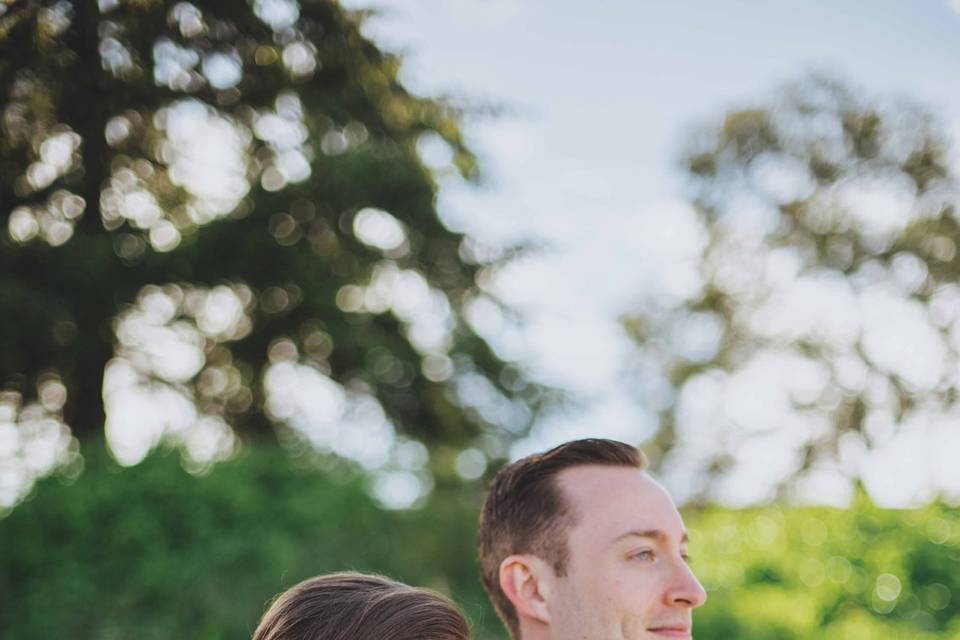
x,y
562,494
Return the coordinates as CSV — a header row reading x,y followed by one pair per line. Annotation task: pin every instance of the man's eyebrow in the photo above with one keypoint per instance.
x,y
655,534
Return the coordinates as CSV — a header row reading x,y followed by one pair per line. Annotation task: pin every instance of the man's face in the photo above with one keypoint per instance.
x,y
627,574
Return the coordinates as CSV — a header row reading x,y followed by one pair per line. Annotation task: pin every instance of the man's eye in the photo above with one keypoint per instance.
x,y
686,558
645,555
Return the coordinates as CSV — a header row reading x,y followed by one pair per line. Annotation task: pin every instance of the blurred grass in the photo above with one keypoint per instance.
x,y
152,552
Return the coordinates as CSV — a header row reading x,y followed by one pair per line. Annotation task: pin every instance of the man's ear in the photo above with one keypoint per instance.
x,y
525,582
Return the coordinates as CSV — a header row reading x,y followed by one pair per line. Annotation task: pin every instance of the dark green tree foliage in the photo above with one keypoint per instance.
x,y
97,217
153,552
829,234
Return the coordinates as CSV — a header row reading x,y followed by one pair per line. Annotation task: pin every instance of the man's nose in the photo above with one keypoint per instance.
x,y
685,590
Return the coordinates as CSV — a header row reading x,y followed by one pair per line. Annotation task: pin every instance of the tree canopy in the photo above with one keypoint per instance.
x,y
823,321
209,204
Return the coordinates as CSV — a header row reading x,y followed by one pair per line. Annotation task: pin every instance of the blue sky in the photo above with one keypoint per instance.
x,y
611,87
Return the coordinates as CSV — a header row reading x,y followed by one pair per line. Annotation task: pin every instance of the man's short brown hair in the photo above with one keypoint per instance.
x,y
358,606
525,511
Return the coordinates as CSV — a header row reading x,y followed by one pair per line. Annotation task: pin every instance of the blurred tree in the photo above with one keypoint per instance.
x,y
824,312
197,193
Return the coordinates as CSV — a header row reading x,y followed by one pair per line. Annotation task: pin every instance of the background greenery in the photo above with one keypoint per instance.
x,y
153,552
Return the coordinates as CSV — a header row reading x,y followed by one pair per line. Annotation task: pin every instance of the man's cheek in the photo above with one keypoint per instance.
x,y
633,627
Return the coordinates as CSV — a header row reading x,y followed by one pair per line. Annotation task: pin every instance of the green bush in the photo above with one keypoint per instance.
x,y
862,572
152,552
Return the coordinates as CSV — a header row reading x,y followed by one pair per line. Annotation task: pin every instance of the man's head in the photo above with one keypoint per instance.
x,y
580,542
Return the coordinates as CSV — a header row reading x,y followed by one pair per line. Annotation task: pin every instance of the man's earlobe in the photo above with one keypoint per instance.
x,y
523,582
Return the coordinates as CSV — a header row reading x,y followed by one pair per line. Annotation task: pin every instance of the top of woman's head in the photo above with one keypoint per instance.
x,y
357,606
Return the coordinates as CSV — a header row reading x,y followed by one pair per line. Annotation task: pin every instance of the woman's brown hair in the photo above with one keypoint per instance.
x,y
358,606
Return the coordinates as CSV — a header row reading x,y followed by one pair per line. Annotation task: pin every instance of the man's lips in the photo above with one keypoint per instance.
x,y
671,630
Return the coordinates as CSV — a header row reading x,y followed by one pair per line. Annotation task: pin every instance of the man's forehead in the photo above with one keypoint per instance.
x,y
618,499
